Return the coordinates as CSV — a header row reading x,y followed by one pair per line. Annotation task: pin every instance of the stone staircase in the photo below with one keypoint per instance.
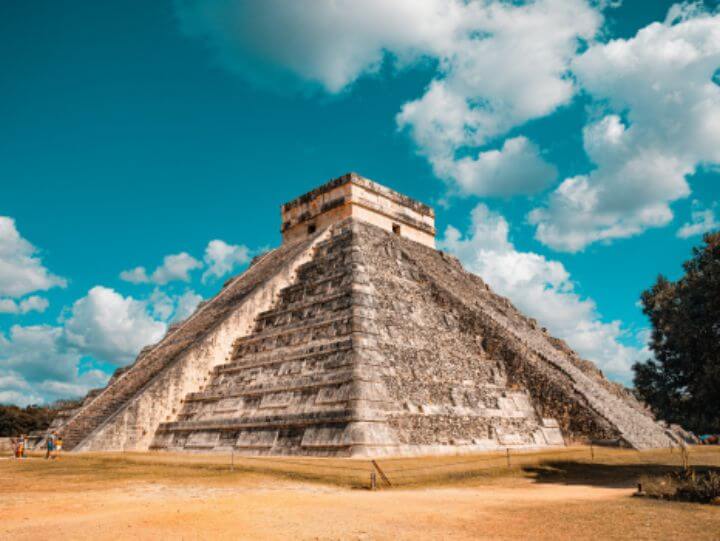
x,y
288,386
155,359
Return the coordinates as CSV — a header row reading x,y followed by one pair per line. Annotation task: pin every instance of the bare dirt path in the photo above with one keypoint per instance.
x,y
84,500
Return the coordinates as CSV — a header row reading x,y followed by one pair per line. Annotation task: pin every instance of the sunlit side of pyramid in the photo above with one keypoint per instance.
x,y
357,337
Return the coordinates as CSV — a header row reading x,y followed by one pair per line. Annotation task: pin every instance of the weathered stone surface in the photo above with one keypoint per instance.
x,y
359,341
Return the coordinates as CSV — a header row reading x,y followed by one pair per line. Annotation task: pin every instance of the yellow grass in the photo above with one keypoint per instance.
x,y
561,494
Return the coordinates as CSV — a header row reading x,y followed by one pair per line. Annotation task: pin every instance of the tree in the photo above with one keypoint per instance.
x,y
682,383
15,421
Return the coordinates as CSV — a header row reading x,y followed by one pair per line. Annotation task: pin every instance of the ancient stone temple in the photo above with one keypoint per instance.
x,y
357,337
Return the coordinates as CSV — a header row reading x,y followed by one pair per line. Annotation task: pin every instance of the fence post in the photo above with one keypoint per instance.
x,y
382,473
507,455
592,453
373,481
232,459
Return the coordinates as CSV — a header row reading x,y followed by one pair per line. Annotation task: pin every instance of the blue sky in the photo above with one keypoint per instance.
x,y
570,150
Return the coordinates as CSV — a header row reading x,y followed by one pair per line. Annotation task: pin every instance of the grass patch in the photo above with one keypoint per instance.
x,y
687,486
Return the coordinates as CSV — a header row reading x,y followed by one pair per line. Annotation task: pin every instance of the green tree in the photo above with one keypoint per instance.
x,y
682,383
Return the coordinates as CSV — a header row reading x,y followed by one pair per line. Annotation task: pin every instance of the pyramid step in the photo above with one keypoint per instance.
x,y
294,384
307,331
337,416
307,310
289,291
286,355
311,300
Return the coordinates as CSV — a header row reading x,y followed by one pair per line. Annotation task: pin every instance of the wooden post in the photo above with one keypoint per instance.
x,y
232,459
507,456
382,473
373,481
592,453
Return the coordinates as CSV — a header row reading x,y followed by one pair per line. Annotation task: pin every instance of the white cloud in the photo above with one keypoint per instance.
x,y
516,168
175,267
41,363
506,69
111,327
542,289
221,258
701,221
327,42
138,275
173,307
661,82
36,366
497,65
33,303
186,305
161,304
21,270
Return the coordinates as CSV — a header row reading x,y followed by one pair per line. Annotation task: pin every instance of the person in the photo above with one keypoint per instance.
x,y
50,445
20,449
58,446
14,443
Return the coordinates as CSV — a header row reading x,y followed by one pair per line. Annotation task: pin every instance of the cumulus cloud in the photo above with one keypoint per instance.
x,y
138,275
186,304
173,307
498,66
175,267
516,168
541,288
505,70
21,269
701,221
108,326
42,363
37,366
33,303
221,258
327,42
660,120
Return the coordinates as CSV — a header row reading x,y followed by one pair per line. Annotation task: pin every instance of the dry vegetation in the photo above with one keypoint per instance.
x,y
563,494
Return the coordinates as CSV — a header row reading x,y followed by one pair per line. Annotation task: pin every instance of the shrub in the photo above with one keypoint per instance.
x,y
687,486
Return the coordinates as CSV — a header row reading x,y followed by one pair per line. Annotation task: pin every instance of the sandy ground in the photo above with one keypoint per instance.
x,y
81,499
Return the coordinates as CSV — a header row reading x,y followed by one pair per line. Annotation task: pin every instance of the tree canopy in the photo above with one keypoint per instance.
x,y
682,383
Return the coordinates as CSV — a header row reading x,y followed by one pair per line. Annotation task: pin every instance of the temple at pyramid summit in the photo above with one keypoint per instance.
x,y
356,337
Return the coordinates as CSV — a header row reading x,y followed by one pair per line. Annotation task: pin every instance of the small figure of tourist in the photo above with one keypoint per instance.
x,y
20,448
14,443
58,446
50,445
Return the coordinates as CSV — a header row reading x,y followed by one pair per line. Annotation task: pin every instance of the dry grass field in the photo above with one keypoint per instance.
x,y
565,494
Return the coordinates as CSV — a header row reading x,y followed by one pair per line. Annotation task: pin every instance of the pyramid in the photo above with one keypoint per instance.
x,y
357,337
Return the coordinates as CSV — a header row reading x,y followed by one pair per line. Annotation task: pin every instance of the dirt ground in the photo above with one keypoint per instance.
x,y
151,497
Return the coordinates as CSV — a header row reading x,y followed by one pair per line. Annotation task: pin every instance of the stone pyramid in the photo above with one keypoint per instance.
x,y
357,337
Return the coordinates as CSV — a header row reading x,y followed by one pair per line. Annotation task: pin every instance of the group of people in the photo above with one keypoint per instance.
x,y
53,445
